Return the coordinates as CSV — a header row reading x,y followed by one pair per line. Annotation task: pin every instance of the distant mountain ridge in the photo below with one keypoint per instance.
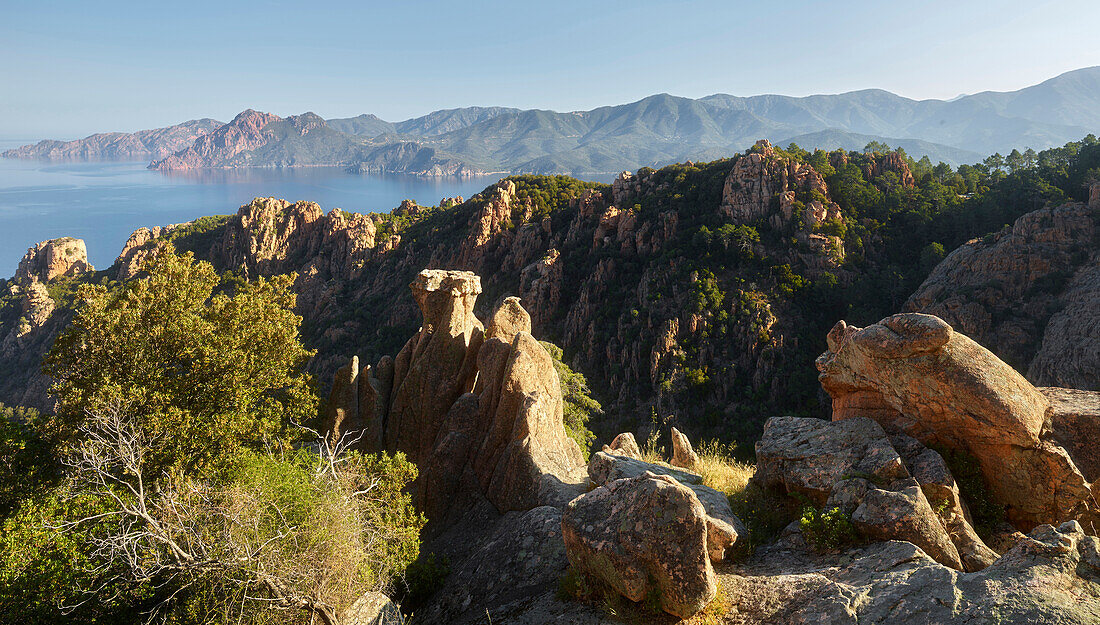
x,y
155,143
653,131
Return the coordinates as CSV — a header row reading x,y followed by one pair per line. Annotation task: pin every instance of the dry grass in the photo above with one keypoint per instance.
x,y
720,470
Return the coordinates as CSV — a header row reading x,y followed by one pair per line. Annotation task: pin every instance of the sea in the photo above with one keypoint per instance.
x,y
103,202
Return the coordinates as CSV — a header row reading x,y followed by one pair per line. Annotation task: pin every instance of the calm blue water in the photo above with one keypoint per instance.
x,y
104,202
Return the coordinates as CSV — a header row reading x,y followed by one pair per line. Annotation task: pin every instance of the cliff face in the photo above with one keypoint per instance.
x,y
1030,294
243,134
156,143
699,291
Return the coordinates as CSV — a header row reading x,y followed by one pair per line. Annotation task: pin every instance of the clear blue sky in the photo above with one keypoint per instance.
x,y
68,69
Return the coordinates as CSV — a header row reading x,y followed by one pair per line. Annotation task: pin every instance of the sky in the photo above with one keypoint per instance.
x,y
68,69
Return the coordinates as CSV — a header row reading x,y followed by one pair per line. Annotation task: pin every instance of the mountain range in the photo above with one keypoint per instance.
x,y
653,131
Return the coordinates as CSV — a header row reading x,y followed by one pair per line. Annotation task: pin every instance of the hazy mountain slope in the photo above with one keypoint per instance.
x,y
653,131
439,122
366,125
833,139
154,143
1071,99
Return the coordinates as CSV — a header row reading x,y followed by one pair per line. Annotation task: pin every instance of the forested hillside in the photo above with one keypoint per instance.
x,y
699,293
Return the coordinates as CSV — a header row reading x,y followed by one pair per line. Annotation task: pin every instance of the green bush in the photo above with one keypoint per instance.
x,y
827,530
579,406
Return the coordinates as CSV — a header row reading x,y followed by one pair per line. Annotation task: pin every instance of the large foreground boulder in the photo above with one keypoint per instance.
x,y
892,489
912,373
642,536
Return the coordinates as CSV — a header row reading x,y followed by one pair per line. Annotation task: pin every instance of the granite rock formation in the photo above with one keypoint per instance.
x,y
51,259
1030,294
914,374
643,535
852,465
479,410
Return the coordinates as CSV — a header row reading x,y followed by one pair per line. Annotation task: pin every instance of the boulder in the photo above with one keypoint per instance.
x,y
605,467
724,528
624,445
912,373
682,453
904,514
642,536
1051,576
373,608
853,465
809,456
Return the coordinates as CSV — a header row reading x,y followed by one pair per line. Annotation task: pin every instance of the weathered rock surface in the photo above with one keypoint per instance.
x,y
624,445
1052,576
809,456
904,514
51,259
1030,294
479,411
373,608
682,453
1075,425
723,525
643,535
520,558
913,373
607,467
889,488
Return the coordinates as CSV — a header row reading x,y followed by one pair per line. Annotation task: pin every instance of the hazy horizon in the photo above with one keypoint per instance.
x,y
76,69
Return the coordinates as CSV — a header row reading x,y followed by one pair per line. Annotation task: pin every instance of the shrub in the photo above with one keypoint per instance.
x,y
579,406
827,530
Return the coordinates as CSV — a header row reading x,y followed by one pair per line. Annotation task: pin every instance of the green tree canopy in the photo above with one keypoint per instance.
x,y
217,370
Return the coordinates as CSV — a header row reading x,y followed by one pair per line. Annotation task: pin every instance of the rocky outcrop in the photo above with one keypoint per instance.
x,y
809,456
682,453
879,164
624,445
143,244
479,410
914,374
642,536
1029,294
155,143
724,528
51,259
243,134
762,184
852,465
1075,425
1051,576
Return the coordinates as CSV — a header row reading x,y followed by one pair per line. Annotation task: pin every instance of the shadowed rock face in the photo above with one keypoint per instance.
x,y
479,410
1031,294
913,373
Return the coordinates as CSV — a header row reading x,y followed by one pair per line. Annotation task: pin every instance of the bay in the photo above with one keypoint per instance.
x,y
103,202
